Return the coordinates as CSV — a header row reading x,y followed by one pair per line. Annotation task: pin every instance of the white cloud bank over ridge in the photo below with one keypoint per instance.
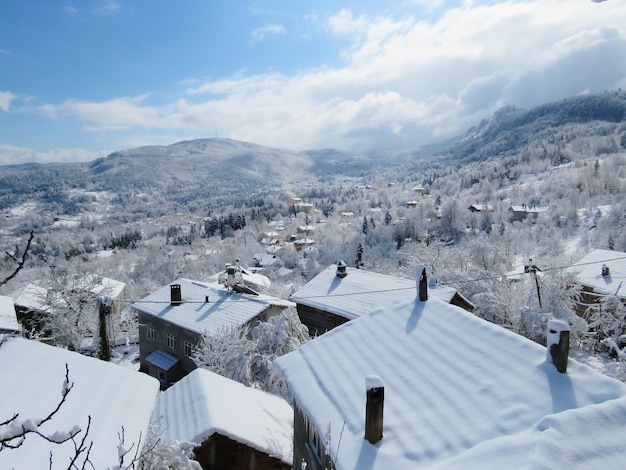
x,y
403,82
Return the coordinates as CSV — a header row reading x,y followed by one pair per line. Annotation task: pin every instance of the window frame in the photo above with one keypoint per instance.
x,y
171,341
151,332
188,348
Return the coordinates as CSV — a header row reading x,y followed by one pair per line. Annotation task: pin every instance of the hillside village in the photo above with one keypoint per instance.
x,y
438,312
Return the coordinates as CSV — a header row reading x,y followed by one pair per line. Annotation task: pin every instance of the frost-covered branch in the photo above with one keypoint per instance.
x,y
13,431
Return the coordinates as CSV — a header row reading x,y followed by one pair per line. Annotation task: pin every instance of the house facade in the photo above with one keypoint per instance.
x,y
420,383
333,298
173,320
522,212
235,427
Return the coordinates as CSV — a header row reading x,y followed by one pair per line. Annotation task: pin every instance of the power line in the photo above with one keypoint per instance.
x,y
377,291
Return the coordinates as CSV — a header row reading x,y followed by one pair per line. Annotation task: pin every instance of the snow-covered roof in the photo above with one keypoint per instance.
x,y
360,291
115,397
31,297
204,403
481,207
162,359
8,320
532,209
460,392
589,272
265,259
224,309
249,277
107,286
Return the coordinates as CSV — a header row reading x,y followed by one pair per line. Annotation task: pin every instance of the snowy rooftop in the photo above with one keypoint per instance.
x,y
360,291
459,393
223,310
32,378
533,209
8,320
32,296
204,403
589,272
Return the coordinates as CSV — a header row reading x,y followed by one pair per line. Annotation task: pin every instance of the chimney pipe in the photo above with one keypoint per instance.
x,y
175,295
375,390
558,344
421,282
341,269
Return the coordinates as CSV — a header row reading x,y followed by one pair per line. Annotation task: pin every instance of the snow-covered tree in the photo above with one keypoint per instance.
x,y
248,356
608,322
71,302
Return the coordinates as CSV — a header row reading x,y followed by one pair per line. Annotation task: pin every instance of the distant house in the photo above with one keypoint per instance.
x,y
419,190
116,399
294,200
263,260
235,427
336,296
305,207
411,204
301,244
480,208
271,242
305,229
424,384
347,215
32,302
8,319
173,320
519,213
600,273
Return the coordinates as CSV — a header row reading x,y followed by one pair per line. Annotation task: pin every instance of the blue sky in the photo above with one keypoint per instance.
x,y
80,79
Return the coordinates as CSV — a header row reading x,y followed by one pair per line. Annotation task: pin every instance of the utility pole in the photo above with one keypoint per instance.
x,y
531,268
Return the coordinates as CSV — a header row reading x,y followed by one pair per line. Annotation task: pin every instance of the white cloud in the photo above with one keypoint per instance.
x,y
260,33
10,154
6,98
107,7
403,81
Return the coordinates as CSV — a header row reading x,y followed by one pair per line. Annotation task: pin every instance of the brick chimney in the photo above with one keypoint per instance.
x,y
421,282
175,295
375,398
558,344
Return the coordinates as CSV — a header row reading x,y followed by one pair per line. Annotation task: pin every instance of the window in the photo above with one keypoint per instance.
x,y
187,348
151,333
171,341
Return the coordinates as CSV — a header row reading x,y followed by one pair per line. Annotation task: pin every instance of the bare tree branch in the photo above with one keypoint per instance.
x,y
20,262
